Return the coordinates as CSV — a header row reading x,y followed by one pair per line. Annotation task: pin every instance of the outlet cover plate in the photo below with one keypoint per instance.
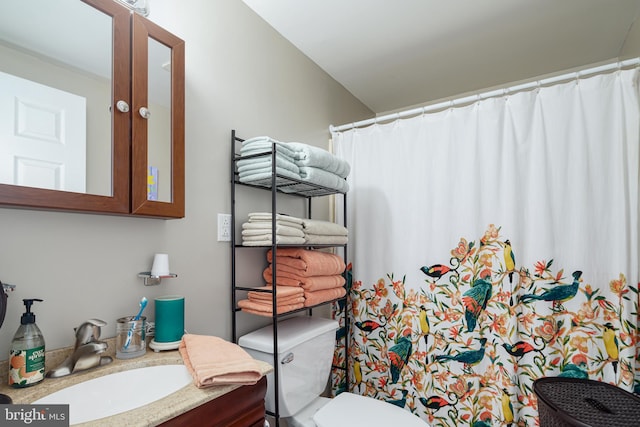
x,y
224,227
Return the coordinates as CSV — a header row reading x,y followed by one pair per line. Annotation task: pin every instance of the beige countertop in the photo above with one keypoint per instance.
x,y
183,400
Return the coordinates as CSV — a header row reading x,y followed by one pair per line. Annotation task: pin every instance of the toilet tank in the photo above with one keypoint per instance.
x,y
305,353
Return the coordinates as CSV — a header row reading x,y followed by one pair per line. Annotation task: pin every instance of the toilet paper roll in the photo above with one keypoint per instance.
x,y
169,318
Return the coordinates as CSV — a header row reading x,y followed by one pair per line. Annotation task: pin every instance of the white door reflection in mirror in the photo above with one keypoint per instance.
x,y
66,45
43,134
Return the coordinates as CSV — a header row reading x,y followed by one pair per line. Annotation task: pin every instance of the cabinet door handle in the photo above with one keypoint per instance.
x,y
144,112
122,106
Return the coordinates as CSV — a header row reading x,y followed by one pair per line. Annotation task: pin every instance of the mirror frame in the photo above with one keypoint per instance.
x,y
143,29
118,202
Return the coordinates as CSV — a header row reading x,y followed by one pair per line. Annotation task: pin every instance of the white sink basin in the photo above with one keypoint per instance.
x,y
119,392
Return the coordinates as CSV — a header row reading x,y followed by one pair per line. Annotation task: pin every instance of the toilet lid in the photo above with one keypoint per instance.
x,y
348,409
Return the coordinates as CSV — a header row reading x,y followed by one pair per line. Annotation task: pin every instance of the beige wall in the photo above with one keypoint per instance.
x,y
631,47
240,74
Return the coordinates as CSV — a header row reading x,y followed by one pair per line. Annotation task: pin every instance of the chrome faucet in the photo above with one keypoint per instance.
x,y
87,352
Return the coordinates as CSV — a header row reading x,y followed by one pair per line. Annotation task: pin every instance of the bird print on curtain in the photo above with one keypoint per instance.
x,y
464,347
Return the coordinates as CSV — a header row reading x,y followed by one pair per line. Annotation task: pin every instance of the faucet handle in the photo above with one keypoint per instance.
x,y
88,331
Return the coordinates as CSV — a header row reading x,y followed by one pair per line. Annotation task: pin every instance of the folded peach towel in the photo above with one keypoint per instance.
x,y
318,297
267,309
282,293
311,283
214,361
308,263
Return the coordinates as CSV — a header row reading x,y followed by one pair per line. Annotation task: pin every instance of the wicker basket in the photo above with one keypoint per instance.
x,y
571,402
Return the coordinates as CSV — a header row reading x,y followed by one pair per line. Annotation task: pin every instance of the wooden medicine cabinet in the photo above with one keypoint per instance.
x,y
94,118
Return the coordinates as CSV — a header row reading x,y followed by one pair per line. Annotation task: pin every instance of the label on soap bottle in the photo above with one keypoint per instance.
x,y
26,367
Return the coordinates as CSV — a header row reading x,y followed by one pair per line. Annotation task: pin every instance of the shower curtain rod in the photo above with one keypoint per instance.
x,y
490,94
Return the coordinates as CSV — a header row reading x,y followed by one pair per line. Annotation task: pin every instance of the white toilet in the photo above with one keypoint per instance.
x,y
305,353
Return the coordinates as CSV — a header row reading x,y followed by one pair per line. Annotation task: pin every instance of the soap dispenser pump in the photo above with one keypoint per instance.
x,y
26,358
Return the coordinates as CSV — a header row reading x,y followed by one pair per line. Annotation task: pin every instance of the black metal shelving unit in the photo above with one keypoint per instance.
x,y
306,191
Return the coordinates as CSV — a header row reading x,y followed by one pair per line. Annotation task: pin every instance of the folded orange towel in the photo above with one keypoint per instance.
x,y
262,313
312,283
279,301
309,263
268,308
318,297
292,278
214,361
292,272
282,293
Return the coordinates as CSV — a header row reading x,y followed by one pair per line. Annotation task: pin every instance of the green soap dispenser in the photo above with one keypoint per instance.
x,y
26,358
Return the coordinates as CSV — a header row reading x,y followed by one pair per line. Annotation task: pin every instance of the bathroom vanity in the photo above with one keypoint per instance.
x,y
242,407
228,406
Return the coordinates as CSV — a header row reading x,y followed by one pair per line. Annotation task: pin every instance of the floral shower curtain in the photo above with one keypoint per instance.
x,y
494,244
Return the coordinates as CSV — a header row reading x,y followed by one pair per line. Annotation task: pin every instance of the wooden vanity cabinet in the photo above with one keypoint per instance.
x,y
242,407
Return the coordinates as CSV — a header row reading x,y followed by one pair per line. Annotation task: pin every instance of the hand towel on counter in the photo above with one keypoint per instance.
x,y
309,263
214,361
308,155
266,309
318,297
323,228
311,283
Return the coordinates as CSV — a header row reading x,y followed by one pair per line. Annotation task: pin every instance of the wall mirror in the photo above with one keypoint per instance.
x,y
91,109
59,60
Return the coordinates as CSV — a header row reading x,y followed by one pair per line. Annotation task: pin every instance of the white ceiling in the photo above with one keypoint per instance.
x,y
393,54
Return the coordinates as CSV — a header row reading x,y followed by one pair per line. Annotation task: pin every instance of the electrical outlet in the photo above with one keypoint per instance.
x,y
224,227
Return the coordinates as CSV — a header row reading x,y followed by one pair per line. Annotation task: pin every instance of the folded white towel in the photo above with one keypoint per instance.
x,y
264,162
266,224
262,144
263,177
325,240
308,155
324,178
281,230
265,149
266,216
314,226
266,240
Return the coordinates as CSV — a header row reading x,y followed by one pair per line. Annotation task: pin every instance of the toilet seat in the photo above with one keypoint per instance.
x,y
348,409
